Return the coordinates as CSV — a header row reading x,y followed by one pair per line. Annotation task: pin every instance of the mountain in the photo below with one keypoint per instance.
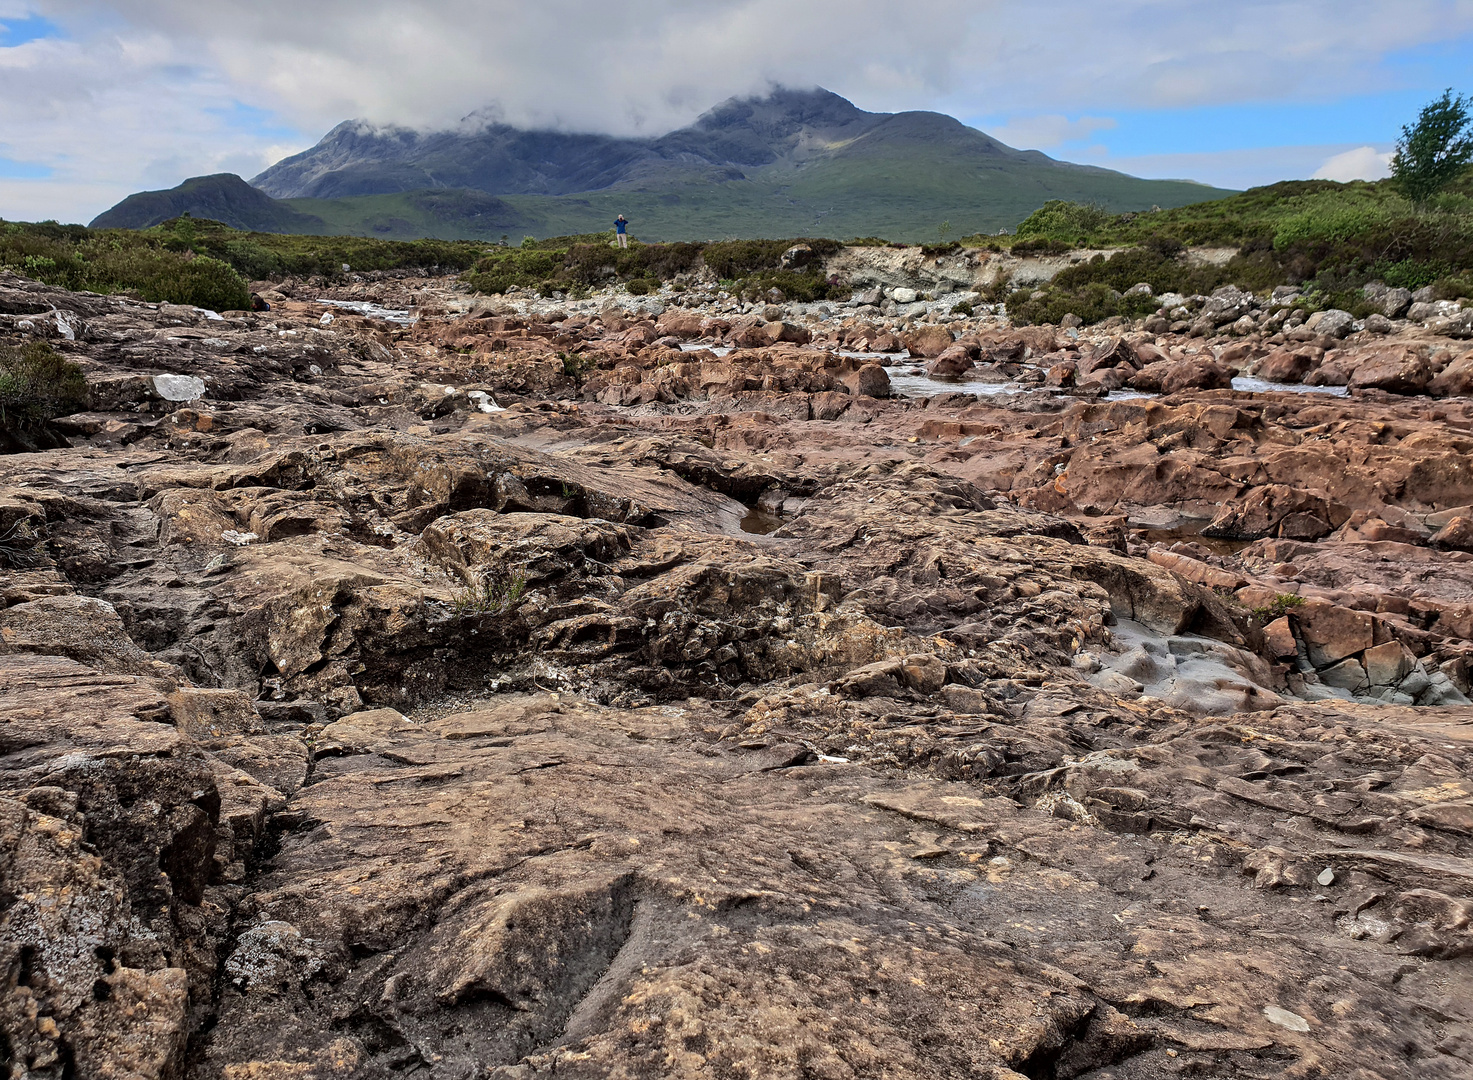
x,y
222,197
796,162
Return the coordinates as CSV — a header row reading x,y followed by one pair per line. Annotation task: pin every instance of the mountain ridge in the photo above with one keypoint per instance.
x,y
795,162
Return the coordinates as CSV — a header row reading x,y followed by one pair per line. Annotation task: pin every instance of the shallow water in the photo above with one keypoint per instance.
x,y
923,385
1192,534
761,522
373,311
1261,386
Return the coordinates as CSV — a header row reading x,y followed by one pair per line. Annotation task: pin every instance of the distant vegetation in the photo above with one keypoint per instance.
x,y
1325,237
204,263
575,264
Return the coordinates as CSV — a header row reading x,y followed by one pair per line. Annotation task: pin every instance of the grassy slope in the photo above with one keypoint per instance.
x,y
902,190
1284,214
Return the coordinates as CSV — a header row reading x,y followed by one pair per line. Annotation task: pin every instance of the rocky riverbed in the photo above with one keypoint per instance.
x,y
403,683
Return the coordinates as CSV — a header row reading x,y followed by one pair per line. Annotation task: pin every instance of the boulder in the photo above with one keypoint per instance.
x,y
1388,664
1456,535
1455,380
1390,303
1289,364
1112,353
1332,323
870,380
904,296
1266,510
1226,305
1174,376
1333,633
954,362
927,341
1403,369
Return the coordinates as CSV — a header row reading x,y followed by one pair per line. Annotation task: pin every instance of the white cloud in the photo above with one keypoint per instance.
x,y
141,92
1049,131
1362,163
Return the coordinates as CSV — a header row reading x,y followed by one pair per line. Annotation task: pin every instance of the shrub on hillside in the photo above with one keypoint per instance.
x,y
1070,222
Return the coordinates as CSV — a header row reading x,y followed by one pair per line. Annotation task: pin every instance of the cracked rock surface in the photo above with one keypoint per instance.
x,y
516,694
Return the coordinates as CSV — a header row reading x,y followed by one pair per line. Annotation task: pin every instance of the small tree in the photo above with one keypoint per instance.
x,y
1436,149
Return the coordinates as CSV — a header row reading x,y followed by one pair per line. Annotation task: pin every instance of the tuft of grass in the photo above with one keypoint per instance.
x,y
490,594
19,544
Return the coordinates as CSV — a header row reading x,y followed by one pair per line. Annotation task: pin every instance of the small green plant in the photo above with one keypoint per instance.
x,y
1434,151
1282,605
37,384
640,287
490,594
576,365
962,308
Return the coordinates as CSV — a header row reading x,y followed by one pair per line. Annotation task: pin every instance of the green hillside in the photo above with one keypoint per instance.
x,y
795,163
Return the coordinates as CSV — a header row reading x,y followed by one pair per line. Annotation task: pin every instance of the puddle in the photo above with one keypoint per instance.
x,y
1261,386
761,522
1193,536
372,311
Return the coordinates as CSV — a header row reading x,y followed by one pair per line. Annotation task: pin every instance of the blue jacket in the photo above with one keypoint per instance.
x,y
620,226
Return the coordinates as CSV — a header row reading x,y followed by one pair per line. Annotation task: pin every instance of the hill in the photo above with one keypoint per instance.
x,y
222,197
797,162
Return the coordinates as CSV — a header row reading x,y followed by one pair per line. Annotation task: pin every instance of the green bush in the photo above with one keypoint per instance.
x,y
37,384
1066,221
804,288
640,287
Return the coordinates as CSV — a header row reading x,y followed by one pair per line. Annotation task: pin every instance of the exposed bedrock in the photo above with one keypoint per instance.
x,y
529,692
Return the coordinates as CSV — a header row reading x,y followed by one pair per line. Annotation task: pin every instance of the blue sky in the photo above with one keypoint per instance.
x,y
106,97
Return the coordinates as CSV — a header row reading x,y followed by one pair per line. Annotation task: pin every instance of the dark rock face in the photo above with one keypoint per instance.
x,y
758,725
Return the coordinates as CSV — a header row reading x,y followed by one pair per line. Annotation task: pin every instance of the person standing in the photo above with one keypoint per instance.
x,y
621,226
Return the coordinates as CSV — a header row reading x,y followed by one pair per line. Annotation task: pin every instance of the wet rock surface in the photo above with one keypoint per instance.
x,y
418,698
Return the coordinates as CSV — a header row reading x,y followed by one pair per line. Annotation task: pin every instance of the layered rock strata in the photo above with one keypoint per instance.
x,y
530,691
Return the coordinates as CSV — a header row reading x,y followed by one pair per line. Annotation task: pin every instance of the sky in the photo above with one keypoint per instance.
x,y
101,98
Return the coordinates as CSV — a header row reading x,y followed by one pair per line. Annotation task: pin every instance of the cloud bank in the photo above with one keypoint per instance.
x,y
137,93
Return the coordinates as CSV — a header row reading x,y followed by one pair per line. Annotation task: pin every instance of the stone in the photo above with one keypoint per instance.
x,y
1333,323
1285,1019
927,341
1280,637
1334,633
870,380
1346,675
205,714
1456,535
954,362
904,296
1326,877
1403,370
1389,303
1287,365
1175,376
1388,664
1456,379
